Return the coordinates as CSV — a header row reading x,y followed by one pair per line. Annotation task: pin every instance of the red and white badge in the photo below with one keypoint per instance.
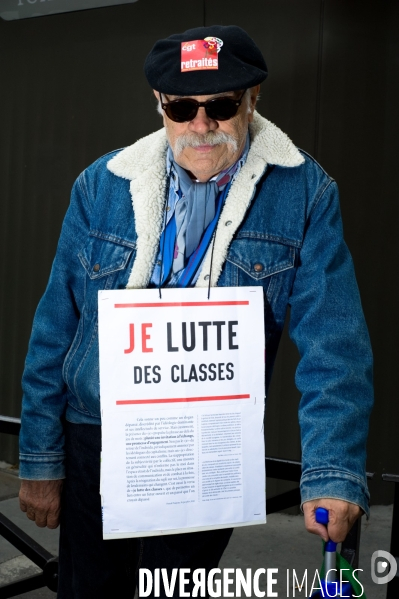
x,y
200,55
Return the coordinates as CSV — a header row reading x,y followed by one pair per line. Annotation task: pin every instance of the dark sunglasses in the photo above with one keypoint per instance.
x,y
217,109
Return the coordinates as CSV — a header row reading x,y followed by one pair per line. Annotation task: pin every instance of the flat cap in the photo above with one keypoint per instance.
x,y
205,60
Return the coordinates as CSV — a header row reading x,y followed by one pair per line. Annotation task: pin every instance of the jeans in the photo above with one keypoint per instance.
x,y
91,568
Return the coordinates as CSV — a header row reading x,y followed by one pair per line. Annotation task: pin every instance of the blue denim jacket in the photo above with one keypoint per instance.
x,y
280,228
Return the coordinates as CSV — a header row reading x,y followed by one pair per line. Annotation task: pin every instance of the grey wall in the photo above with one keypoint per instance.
x,y
73,89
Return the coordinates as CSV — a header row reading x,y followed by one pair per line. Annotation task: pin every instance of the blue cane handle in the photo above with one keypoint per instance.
x,y
330,586
321,515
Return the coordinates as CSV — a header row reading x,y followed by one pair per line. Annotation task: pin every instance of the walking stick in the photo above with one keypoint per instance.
x,y
333,564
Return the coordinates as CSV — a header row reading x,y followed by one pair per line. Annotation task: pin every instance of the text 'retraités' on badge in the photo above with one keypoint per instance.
x,y
200,55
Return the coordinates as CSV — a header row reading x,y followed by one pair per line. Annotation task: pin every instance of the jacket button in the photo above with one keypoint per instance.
x,y
206,277
258,267
96,267
228,223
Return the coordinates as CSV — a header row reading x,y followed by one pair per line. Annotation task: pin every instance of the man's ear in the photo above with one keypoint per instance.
x,y
254,91
159,107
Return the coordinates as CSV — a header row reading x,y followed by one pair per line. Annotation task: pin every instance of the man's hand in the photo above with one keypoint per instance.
x,y
41,500
342,516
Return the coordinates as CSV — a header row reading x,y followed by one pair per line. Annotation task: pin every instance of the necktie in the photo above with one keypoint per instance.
x,y
193,213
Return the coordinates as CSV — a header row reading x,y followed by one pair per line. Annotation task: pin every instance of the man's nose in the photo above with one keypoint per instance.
x,y
202,123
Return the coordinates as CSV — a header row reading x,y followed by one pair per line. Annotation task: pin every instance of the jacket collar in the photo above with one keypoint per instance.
x,y
144,165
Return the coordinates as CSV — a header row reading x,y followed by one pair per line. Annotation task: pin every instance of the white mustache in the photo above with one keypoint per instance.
x,y
208,139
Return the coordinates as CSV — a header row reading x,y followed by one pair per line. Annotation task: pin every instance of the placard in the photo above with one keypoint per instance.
x,y
182,405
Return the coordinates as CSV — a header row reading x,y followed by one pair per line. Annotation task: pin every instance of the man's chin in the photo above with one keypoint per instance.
x,y
206,160
203,170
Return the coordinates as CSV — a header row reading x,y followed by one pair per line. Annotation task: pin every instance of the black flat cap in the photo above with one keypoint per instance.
x,y
219,59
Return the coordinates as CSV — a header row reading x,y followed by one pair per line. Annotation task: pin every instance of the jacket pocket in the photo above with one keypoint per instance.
x,y
106,265
265,263
260,258
101,257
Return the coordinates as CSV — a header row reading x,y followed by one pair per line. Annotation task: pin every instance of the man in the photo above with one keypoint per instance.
x,y
220,197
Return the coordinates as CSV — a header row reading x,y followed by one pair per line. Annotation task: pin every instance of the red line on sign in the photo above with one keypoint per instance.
x,y
124,402
184,304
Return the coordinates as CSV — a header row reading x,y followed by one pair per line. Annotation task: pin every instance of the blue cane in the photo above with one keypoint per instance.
x,y
331,583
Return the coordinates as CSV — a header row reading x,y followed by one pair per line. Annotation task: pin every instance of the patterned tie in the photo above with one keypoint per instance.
x,y
194,211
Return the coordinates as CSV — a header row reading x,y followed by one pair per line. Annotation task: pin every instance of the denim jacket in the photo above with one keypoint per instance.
x,y
280,228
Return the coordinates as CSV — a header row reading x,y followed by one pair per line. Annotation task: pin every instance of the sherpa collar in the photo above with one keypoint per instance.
x,y
144,165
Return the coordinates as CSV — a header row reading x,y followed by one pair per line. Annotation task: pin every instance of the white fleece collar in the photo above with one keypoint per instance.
x,y
144,165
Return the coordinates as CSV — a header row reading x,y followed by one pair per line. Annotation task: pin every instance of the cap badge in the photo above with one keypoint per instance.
x,y
200,55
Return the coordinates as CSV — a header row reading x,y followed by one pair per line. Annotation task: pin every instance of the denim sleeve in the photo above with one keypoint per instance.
x,y
334,374
54,327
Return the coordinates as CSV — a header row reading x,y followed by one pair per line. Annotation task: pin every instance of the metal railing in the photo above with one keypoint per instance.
x,y
287,470
25,544
393,585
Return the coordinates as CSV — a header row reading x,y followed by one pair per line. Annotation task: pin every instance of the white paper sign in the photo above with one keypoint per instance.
x,y
182,405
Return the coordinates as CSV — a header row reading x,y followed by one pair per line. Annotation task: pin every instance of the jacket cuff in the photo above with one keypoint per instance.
x,y
335,485
41,467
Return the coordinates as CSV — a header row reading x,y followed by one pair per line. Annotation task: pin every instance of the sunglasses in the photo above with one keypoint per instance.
x,y
217,109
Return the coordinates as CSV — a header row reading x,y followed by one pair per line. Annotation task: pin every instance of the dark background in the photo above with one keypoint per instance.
x,y
73,89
